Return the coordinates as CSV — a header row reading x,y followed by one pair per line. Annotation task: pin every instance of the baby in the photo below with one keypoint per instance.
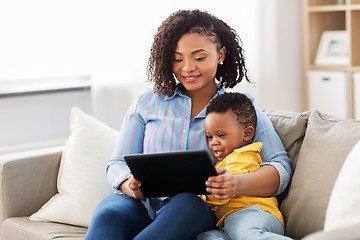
x,y
229,125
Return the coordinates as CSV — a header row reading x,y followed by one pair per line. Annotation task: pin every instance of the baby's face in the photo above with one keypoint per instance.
x,y
224,133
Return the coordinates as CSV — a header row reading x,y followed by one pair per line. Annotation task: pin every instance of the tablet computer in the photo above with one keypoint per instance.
x,y
169,173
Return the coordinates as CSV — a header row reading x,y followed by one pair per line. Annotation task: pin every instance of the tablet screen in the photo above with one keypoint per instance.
x,y
169,173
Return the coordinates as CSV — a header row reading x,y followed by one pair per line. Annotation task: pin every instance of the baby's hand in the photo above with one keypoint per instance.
x,y
223,186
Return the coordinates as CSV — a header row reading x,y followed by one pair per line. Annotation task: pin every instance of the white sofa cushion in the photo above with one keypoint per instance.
x,y
344,203
82,181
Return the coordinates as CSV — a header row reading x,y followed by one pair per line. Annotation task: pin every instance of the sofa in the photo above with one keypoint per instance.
x,y
317,143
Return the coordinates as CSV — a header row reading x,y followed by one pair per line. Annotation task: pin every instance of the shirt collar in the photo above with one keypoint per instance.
x,y
178,92
202,114
253,146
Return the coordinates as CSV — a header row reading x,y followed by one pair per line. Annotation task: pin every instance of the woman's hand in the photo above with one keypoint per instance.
x,y
224,186
131,187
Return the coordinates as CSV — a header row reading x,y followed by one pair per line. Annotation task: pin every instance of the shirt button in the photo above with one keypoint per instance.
x,y
184,131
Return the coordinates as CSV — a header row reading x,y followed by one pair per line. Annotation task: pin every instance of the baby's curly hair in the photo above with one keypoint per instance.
x,y
239,104
159,69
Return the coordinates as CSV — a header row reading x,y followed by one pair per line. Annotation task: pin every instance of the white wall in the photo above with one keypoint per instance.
x,y
109,37
39,118
110,40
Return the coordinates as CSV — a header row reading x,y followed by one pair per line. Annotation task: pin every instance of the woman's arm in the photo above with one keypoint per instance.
x,y
273,152
130,141
262,182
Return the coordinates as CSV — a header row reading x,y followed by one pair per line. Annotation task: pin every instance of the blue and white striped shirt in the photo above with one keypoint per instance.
x,y
156,123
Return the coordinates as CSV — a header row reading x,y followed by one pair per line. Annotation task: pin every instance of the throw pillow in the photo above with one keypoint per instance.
x,y
290,126
344,203
327,142
82,182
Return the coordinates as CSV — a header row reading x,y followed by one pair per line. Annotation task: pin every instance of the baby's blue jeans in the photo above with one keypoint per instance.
x,y
248,223
121,217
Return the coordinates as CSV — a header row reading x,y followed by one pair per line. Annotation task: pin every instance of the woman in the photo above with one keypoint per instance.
x,y
194,56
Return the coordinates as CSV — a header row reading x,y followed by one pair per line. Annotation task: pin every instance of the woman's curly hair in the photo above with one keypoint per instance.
x,y
159,69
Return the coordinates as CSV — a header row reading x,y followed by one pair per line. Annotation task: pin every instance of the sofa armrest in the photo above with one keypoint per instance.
x,y
27,181
346,233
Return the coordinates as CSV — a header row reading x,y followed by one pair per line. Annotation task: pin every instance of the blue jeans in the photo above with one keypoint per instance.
x,y
246,224
121,217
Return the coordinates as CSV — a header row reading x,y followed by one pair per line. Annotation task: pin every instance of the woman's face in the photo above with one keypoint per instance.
x,y
195,61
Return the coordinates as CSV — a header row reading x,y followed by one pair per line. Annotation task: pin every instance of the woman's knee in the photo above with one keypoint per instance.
x,y
118,217
118,207
187,198
190,206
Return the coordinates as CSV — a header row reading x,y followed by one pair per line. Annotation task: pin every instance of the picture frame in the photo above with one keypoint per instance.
x,y
333,48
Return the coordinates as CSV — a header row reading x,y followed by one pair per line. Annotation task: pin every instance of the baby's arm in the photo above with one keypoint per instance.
x,y
255,184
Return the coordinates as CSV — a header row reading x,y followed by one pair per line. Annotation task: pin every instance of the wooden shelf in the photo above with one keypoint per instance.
x,y
355,69
333,8
331,15
325,2
328,8
355,7
329,68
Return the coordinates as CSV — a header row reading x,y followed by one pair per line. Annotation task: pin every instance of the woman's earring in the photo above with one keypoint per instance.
x,y
221,63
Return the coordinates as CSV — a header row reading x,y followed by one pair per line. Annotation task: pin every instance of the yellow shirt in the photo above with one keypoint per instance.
x,y
242,160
